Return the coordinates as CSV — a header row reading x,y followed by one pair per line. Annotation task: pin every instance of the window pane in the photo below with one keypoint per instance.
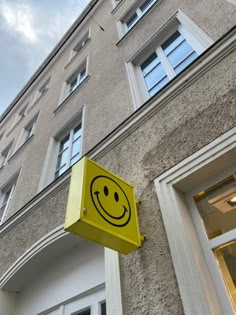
x,y
186,62
64,143
77,132
60,171
75,159
85,312
217,207
82,74
62,158
132,20
146,5
226,257
157,87
155,76
75,147
103,308
149,63
172,42
73,84
179,53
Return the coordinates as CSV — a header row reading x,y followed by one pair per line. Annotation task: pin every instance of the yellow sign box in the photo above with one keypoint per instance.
x,y
102,208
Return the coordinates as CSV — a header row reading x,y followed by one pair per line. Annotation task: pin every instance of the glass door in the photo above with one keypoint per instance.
x,y
214,214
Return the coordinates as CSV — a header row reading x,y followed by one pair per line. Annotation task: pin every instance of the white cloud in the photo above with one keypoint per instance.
x,y
19,18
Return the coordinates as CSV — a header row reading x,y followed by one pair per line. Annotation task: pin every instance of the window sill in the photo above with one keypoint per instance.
x,y
136,24
76,55
117,7
37,101
20,148
71,94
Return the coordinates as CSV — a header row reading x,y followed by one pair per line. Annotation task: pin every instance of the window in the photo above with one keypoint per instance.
x,y
84,40
64,149
4,155
200,194
28,130
164,56
26,133
136,13
69,150
42,90
76,79
168,60
20,116
6,197
215,216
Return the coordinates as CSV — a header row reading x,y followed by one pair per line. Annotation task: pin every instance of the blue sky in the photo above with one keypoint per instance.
x,y
29,29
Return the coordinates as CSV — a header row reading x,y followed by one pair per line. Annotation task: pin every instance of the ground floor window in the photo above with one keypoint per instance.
x,y
198,204
216,211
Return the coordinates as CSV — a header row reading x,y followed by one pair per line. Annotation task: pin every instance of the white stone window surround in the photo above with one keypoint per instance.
x,y
69,152
201,286
66,90
6,195
4,155
48,172
123,25
41,91
115,3
197,39
81,43
19,117
26,133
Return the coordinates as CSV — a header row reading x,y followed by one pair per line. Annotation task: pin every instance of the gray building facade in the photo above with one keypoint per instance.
x,y
147,90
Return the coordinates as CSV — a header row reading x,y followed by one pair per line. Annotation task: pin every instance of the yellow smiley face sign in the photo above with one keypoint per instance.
x,y
102,208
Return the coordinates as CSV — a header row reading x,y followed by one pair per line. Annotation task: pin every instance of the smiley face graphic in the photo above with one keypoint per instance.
x,y
110,201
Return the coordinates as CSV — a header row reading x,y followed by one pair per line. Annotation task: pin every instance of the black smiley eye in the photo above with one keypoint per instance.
x,y
106,191
116,196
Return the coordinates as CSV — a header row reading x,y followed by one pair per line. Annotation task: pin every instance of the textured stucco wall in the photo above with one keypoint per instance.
x,y
106,94
195,117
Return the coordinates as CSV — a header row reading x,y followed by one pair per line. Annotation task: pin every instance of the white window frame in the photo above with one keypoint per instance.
x,y
4,155
135,9
70,133
66,88
201,287
48,172
25,135
20,115
7,202
10,186
83,41
197,39
42,90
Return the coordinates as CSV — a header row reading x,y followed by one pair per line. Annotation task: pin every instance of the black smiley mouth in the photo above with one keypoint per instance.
x,y
113,217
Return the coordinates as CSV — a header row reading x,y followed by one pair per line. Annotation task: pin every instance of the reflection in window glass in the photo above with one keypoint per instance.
x,y
216,208
226,257
172,57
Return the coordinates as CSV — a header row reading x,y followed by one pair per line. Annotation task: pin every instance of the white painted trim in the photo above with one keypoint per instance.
x,y
191,32
49,166
198,291
206,62
113,287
